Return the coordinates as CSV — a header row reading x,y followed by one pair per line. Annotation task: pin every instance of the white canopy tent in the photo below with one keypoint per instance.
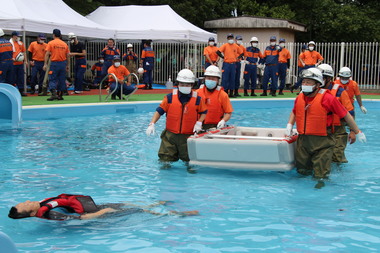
x,y
158,23
42,16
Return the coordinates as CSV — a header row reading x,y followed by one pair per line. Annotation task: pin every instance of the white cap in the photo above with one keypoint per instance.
x,y
311,43
326,70
345,72
314,74
213,71
129,45
254,39
1,32
71,35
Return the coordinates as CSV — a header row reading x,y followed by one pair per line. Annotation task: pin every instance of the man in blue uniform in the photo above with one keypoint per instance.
x,y
78,50
271,67
6,62
147,63
252,56
108,54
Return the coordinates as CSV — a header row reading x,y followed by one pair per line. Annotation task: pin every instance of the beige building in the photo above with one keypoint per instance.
x,y
262,28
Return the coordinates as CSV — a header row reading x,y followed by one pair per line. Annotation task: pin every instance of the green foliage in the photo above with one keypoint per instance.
x,y
326,20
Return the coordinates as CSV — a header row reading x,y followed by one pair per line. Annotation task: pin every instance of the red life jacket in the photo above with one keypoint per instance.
x,y
73,203
181,118
214,107
311,119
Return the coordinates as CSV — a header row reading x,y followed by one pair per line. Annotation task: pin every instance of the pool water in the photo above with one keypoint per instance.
x,y
110,158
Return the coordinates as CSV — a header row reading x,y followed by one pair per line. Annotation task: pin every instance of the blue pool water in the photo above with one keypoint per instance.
x,y
110,158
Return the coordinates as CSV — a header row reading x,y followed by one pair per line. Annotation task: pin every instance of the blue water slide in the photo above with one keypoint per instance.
x,y
10,105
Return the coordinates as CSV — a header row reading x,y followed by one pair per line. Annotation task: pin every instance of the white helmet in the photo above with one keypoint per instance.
x,y
140,71
129,45
186,76
20,57
213,70
1,32
71,35
326,70
345,72
254,39
311,43
314,74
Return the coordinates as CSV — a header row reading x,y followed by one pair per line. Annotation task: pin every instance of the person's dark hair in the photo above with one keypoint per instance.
x,y
14,214
112,40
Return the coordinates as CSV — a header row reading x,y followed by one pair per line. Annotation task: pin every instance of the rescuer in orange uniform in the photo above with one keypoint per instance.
x,y
185,112
313,113
340,135
219,108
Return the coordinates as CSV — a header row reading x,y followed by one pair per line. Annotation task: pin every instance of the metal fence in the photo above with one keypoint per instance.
x,y
362,58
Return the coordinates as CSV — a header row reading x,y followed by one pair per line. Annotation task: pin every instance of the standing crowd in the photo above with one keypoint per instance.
x,y
50,65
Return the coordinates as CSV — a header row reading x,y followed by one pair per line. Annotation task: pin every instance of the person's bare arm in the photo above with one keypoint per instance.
x,y
88,216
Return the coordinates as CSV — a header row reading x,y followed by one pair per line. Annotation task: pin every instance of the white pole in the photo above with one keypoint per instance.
x,y
341,55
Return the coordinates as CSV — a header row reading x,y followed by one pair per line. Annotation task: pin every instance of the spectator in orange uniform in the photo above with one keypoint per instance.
x,y
121,72
231,54
185,112
340,135
130,59
352,88
219,108
37,51
108,53
59,54
210,53
311,58
19,60
283,65
312,112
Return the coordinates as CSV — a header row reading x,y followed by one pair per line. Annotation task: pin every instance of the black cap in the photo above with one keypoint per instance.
x,y
57,32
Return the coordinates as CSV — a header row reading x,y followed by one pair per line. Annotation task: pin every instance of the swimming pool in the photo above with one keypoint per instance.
x,y
110,158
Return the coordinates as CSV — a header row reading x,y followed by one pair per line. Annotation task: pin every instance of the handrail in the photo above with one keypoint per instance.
x,y
117,85
101,83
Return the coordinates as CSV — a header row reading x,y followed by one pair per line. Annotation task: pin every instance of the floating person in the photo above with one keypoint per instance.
x,y
67,206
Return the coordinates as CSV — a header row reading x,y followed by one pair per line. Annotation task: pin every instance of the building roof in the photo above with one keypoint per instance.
x,y
254,22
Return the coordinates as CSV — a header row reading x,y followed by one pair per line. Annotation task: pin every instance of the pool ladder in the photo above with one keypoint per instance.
x,y
116,87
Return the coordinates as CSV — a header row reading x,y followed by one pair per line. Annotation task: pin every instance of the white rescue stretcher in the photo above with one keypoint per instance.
x,y
251,148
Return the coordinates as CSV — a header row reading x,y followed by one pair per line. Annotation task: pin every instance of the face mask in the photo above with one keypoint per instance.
x,y
101,61
307,88
344,81
184,90
282,44
72,41
254,44
230,41
273,44
210,84
211,43
311,48
239,42
117,64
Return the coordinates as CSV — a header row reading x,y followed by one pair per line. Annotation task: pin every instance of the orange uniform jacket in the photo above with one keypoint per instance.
x,y
18,48
310,57
58,49
211,52
218,103
231,52
284,55
181,118
351,87
343,99
120,72
38,51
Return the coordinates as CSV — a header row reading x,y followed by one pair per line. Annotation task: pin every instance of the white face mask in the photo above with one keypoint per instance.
x,y
101,61
117,64
184,90
311,48
307,88
282,44
344,81
254,44
230,41
211,43
273,43
239,42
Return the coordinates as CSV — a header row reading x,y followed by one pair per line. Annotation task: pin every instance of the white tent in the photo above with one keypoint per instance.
x,y
159,23
42,16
